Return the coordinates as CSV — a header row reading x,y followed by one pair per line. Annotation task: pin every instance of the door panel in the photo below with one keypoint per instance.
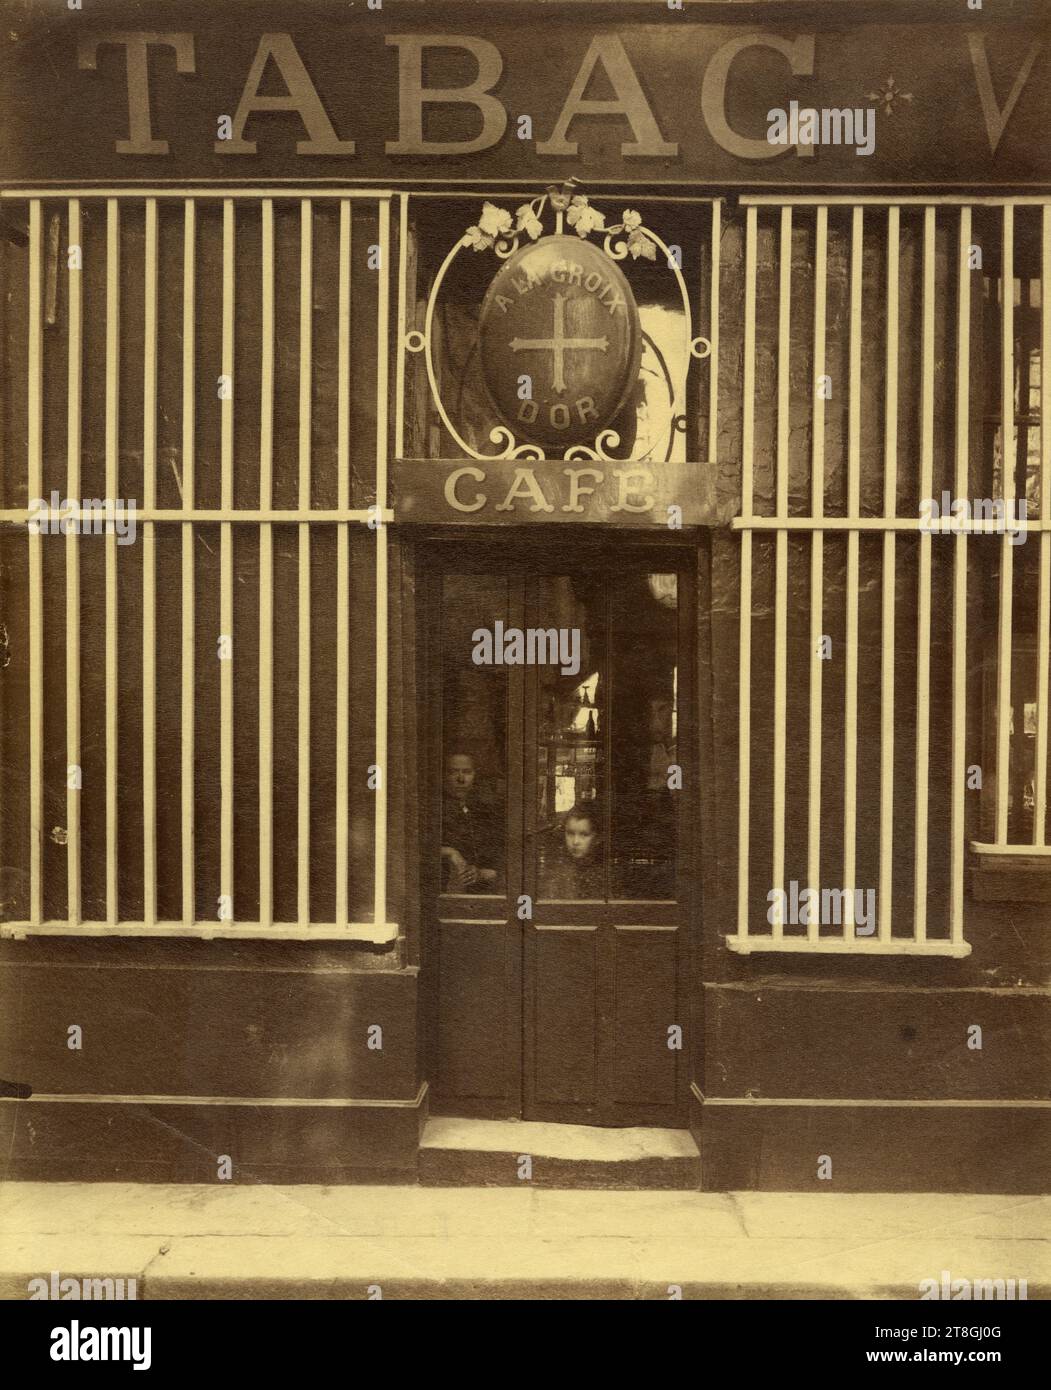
x,y
563,1003
645,983
473,1023
557,959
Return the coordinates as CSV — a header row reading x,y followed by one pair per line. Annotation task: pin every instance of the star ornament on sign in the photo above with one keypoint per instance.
x,y
888,96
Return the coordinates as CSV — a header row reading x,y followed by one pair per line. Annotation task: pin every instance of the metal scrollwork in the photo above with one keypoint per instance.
x,y
607,439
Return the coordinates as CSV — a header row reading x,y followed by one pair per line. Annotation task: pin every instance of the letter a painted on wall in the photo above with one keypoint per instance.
x,y
561,311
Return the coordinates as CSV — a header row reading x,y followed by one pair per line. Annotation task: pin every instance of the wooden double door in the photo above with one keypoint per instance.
x,y
558,830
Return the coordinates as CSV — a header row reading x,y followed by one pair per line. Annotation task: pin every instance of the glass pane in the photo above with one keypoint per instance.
x,y
571,768
474,739
644,728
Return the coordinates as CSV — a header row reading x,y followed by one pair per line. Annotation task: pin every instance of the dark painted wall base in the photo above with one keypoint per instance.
x,y
771,1147
108,1141
767,1147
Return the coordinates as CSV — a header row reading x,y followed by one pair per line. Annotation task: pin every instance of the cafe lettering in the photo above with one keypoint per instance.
x,y
629,486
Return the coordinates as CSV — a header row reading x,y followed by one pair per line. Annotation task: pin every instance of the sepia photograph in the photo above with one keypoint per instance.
x,y
525,666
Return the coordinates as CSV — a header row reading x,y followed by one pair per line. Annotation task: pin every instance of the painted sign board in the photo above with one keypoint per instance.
x,y
518,491
468,93
559,341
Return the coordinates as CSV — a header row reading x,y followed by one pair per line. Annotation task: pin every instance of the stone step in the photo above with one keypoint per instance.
x,y
490,1153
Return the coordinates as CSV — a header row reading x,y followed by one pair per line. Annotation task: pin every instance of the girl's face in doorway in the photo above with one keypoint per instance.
x,y
580,837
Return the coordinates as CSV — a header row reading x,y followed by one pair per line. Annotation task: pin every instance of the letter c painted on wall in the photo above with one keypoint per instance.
x,y
800,55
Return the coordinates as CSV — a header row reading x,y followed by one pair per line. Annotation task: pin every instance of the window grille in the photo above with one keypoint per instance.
x,y
168,321
897,345
877,295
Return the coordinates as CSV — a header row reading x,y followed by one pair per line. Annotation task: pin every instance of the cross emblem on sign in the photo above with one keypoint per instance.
x,y
559,344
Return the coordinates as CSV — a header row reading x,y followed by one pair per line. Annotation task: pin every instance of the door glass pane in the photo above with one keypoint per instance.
x,y
474,738
643,733
570,753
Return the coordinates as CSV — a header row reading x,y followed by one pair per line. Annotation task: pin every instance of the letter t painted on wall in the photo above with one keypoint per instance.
x,y
136,44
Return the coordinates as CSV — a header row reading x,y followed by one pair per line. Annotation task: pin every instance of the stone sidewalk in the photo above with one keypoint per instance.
x,y
317,1242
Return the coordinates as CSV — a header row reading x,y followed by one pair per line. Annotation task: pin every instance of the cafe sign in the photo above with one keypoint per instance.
x,y
559,337
512,492
560,348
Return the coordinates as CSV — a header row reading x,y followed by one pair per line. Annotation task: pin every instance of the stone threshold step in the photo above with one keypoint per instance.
x,y
512,1153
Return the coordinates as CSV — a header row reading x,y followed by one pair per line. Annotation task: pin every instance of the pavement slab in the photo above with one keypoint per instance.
x,y
216,1241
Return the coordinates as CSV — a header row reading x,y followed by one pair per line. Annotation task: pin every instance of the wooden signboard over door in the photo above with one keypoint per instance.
x,y
510,492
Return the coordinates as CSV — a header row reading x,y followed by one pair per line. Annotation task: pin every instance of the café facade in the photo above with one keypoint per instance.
x,y
525,584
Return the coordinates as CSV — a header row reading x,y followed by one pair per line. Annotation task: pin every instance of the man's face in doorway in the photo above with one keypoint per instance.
x,y
580,837
459,775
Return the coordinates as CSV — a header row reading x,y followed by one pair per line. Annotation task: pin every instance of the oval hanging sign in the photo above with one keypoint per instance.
x,y
561,314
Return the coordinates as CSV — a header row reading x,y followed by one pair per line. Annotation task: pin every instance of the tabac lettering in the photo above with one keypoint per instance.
x,y
742,78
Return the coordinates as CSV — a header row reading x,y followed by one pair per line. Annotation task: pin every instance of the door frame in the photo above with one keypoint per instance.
x,y
529,551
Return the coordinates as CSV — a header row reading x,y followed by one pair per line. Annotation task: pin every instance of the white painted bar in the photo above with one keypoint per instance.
x,y
744,719
1004,654
713,331
817,562
923,621
212,931
74,420
1014,850
382,378
854,946
273,188
882,200
35,422
306,279
850,662
399,388
266,572
113,492
959,591
343,544
226,568
784,353
235,515
940,525
149,572
188,658
889,579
